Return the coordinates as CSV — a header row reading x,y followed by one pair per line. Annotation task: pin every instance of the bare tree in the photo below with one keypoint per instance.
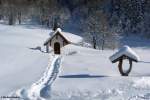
x,y
95,25
98,32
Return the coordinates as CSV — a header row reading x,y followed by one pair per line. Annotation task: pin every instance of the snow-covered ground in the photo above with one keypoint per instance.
x,y
41,89
20,62
89,75
85,74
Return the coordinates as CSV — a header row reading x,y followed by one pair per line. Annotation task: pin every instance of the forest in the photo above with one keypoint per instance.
x,y
101,22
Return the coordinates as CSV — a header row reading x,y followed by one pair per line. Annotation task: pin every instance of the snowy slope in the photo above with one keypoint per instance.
x,y
89,75
85,74
20,63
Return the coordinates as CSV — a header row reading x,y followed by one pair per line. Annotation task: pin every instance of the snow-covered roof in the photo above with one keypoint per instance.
x,y
125,51
72,38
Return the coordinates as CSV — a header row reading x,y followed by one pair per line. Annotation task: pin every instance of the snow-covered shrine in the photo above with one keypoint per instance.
x,y
59,39
124,53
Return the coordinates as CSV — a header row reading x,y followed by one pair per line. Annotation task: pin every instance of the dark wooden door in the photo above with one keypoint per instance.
x,y
56,48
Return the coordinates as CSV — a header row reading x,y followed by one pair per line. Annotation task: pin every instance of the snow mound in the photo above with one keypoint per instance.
x,y
127,51
59,29
142,83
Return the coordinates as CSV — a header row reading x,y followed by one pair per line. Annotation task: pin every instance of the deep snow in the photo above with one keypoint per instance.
x,y
89,75
85,74
20,62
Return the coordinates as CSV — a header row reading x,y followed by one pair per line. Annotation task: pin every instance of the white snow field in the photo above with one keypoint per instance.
x,y
21,62
84,73
89,75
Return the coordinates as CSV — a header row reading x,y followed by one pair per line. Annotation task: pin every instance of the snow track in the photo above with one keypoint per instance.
x,y
42,88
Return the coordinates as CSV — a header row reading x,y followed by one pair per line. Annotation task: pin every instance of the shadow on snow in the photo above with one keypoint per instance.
x,y
148,62
82,76
38,48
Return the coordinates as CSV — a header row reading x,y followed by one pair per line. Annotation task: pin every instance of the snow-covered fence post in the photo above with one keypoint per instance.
x,y
124,53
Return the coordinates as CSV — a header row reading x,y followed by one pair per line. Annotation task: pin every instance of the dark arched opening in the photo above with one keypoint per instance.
x,y
57,48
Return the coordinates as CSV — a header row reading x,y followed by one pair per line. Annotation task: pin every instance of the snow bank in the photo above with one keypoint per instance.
x,y
142,83
126,50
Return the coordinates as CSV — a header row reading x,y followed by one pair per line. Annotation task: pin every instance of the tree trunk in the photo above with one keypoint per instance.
x,y
55,24
1,17
94,42
19,17
11,19
103,42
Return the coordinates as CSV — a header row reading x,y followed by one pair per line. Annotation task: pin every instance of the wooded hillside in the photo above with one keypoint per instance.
x,y
100,19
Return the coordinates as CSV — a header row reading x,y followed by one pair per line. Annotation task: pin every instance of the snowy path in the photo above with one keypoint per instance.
x,y
41,89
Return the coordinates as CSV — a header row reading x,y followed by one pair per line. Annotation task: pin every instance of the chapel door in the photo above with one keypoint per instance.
x,y
57,48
